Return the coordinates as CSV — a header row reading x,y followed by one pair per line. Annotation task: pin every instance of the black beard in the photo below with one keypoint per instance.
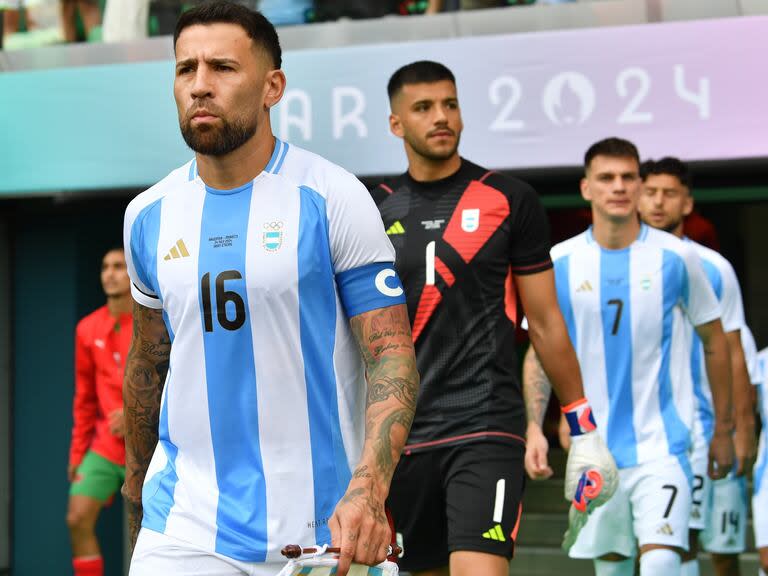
x,y
212,141
425,152
671,227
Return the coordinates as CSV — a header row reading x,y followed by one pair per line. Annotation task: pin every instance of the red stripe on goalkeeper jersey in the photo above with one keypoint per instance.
x,y
493,209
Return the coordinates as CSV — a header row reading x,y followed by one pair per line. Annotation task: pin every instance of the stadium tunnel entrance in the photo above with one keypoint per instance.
x,y
50,252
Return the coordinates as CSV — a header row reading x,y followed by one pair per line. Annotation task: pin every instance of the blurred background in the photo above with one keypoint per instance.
x,y
87,121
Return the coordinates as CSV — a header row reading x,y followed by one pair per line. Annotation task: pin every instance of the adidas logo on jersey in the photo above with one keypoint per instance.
x,y
666,529
695,513
495,533
396,228
177,251
585,287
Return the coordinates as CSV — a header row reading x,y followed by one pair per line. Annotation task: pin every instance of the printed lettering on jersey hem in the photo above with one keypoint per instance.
x,y
464,439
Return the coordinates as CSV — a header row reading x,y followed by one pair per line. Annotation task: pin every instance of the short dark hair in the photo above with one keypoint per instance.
x,y
423,71
613,147
258,28
667,165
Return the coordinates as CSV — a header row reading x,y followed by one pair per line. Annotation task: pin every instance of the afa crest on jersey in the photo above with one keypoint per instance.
x,y
272,237
470,219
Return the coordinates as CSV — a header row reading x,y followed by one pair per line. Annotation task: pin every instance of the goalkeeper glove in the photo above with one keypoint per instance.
x,y
591,476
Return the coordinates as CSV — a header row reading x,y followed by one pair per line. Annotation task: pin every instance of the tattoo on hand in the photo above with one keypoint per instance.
x,y
364,498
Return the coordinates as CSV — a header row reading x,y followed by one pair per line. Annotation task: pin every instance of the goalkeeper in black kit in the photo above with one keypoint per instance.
x,y
469,241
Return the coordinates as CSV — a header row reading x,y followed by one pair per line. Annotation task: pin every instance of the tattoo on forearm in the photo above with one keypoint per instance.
x,y
386,454
396,387
362,472
145,372
536,387
384,337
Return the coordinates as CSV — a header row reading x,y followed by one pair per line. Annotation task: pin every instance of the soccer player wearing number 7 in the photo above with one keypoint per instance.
x,y
467,239
265,294
719,511
618,285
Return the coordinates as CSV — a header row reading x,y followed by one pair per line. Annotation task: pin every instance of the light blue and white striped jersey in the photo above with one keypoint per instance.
x,y
619,309
724,283
761,379
262,416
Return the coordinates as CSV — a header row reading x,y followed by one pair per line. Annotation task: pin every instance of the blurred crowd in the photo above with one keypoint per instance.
x,y
34,23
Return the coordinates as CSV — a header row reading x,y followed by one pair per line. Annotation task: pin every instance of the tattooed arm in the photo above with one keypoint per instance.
x,y
536,392
536,388
145,371
359,523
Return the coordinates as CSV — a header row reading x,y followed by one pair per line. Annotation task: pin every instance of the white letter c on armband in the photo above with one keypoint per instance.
x,y
381,283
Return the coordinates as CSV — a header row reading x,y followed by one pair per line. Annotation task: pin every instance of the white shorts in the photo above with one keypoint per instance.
x,y
701,494
726,531
760,495
652,505
157,554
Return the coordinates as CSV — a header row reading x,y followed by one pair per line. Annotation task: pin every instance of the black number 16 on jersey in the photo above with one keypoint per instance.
x,y
222,297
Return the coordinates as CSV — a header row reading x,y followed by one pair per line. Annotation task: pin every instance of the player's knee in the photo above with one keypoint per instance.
x,y
78,521
75,520
660,561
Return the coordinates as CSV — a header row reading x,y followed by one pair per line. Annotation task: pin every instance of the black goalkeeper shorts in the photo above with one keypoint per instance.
x,y
465,497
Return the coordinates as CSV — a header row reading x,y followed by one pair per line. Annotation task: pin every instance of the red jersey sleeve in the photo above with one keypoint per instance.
x,y
85,406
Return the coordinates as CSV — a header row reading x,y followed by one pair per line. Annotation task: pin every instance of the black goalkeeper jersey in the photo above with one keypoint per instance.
x,y
459,241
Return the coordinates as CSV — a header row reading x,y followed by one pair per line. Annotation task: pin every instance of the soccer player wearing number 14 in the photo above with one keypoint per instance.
x,y
261,272
664,203
619,285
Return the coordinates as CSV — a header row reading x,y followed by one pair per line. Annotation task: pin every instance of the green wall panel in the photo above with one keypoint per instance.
x,y
56,281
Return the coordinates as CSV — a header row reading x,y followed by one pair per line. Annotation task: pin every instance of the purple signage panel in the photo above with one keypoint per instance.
x,y
698,90
692,89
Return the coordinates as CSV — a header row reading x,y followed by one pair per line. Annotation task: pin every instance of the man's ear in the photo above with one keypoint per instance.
x,y
395,125
688,204
274,87
585,192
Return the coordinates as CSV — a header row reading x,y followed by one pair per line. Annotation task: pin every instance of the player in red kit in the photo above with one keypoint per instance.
x,y
97,453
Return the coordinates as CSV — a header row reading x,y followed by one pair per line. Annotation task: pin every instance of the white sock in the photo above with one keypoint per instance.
x,y
690,568
622,568
660,561
761,572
